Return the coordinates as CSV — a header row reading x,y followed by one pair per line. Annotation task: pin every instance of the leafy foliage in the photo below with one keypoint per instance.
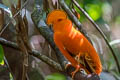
x,y
55,76
94,10
11,77
1,55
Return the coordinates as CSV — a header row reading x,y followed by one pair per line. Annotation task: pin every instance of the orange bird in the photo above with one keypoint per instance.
x,y
73,45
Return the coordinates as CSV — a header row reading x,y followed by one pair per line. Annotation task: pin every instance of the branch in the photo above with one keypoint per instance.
x,y
35,53
37,17
100,31
47,60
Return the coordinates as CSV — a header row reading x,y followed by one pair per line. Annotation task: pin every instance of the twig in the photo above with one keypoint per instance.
x,y
35,53
100,31
8,67
12,18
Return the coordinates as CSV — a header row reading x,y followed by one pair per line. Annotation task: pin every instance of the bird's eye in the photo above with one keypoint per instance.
x,y
59,20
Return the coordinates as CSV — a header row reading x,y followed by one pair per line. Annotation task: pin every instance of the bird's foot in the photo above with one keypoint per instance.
x,y
77,68
75,71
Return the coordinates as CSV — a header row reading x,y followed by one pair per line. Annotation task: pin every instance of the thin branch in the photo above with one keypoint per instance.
x,y
35,53
100,31
8,67
5,27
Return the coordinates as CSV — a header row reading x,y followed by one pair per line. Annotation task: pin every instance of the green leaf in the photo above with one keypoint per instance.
x,y
55,76
1,55
11,77
94,10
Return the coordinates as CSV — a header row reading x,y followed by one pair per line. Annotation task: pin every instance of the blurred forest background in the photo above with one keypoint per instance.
x,y
106,13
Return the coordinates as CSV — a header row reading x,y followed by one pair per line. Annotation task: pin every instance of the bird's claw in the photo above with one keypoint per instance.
x,y
75,71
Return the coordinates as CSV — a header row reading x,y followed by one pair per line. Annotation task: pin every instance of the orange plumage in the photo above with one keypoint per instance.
x,y
73,43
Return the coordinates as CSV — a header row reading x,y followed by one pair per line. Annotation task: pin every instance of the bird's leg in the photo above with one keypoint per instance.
x,y
77,57
77,66
75,71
